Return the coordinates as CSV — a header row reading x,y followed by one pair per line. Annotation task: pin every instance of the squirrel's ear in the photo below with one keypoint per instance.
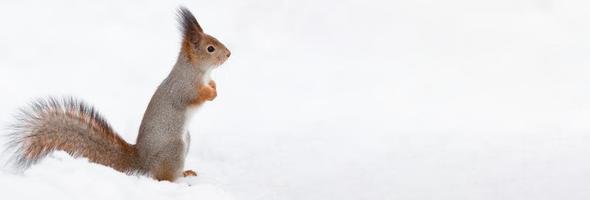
x,y
189,26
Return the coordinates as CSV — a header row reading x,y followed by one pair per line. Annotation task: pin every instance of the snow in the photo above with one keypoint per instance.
x,y
322,99
61,177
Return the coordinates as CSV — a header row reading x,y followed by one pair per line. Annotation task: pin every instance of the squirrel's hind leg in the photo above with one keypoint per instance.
x,y
167,165
165,172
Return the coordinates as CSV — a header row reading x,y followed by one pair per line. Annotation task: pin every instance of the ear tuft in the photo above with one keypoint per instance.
x,y
188,24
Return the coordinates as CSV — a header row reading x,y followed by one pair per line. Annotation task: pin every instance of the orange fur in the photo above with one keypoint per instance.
x,y
186,49
188,173
206,92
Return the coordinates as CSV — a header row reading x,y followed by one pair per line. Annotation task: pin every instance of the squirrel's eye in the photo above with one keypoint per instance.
x,y
210,49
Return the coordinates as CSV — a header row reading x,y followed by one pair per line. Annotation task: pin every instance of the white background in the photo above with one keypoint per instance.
x,y
331,99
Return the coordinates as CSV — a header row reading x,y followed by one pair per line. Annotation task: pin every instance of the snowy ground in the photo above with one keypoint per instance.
x,y
355,99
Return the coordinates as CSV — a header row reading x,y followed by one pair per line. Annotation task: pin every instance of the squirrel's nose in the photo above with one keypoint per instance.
x,y
228,54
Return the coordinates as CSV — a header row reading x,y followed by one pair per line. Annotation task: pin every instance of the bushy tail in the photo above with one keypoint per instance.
x,y
72,126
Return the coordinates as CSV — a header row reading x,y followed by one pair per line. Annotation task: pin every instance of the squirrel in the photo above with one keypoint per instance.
x,y
161,147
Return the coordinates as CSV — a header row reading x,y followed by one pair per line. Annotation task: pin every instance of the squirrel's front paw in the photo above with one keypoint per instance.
x,y
189,173
212,90
207,92
212,93
213,84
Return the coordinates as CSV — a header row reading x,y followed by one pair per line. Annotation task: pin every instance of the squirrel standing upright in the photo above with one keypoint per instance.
x,y
163,141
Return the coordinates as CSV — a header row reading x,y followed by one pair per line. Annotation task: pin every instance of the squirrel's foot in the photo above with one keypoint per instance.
x,y
188,173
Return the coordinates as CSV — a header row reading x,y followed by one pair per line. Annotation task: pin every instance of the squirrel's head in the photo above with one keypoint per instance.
x,y
202,50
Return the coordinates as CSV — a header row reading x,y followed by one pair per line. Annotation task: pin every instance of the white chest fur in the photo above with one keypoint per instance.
x,y
190,111
187,118
207,77
185,134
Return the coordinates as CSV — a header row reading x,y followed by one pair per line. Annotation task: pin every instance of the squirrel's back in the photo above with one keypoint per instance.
x,y
72,126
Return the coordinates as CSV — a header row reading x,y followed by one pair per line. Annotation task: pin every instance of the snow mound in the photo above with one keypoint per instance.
x,y
60,176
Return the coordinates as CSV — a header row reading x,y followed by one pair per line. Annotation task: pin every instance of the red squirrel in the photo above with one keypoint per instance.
x,y
73,126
